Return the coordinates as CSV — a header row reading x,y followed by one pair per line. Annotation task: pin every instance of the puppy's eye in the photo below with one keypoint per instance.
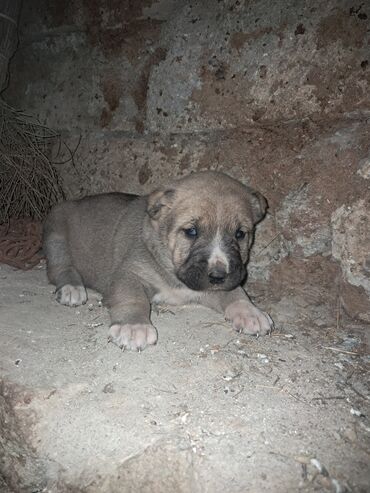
x,y
239,235
191,232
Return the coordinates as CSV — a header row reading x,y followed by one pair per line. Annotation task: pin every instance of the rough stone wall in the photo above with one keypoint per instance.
x,y
275,93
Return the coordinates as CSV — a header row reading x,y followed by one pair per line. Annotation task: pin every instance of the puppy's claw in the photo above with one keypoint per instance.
x,y
247,318
135,337
71,295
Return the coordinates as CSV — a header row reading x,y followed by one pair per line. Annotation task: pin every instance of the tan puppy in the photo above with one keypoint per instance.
x,y
185,243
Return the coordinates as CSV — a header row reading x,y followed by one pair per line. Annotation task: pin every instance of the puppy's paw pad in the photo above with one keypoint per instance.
x,y
71,295
247,318
135,337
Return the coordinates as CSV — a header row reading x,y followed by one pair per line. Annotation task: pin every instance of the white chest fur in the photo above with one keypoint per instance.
x,y
176,296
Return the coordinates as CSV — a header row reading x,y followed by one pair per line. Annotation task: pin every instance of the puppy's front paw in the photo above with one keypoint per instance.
x,y
71,295
132,336
247,318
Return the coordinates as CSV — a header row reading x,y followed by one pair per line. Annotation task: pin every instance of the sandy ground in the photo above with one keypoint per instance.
x,y
206,410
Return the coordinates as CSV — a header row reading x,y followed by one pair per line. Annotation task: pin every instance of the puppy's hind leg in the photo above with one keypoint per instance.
x,y
70,289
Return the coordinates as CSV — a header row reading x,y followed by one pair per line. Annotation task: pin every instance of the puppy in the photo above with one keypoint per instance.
x,y
185,243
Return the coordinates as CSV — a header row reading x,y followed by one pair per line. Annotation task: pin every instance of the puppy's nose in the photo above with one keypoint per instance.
x,y
217,275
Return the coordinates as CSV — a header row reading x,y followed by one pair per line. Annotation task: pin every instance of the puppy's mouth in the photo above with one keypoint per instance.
x,y
197,275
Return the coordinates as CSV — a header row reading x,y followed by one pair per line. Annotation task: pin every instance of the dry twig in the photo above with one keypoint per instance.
x,y
29,183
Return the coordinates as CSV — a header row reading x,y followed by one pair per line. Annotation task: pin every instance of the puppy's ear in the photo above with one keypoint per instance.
x,y
259,206
158,201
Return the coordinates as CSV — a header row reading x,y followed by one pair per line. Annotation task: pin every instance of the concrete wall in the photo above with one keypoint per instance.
x,y
275,93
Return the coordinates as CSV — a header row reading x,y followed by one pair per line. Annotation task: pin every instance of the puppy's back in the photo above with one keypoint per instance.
x,y
87,228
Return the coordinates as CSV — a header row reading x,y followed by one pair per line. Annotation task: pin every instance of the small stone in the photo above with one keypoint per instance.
x,y
350,434
108,388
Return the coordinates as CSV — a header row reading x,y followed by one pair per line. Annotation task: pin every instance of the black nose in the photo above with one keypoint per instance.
x,y
217,276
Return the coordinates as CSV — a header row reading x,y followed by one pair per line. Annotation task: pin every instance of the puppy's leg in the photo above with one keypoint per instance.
x,y
240,311
129,309
69,286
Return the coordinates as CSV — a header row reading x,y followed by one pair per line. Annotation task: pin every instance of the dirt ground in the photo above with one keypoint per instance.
x,y
206,410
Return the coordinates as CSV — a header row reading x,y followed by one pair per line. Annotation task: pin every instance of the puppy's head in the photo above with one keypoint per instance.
x,y
206,223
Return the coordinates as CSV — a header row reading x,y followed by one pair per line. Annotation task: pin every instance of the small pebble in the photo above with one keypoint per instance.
x,y
350,433
108,388
262,357
356,412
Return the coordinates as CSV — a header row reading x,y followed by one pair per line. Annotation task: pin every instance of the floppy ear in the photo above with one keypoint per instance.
x,y
158,201
259,206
